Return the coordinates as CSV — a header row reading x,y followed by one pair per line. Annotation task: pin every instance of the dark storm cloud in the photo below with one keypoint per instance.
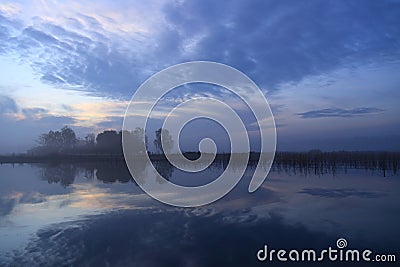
x,y
338,112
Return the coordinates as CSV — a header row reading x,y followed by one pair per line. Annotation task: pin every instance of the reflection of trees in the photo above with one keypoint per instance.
x,y
163,141
118,171
107,172
113,172
317,162
164,168
138,169
88,173
63,174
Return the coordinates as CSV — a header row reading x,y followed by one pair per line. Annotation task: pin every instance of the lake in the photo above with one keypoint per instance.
x,y
95,214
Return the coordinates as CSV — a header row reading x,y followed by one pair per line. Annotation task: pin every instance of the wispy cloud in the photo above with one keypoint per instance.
x,y
96,114
270,41
89,58
7,104
339,112
275,42
33,113
103,50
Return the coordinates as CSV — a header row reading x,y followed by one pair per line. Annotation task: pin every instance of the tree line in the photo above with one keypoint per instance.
x,y
65,141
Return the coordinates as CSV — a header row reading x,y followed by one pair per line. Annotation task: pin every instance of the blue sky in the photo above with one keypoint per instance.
x,y
330,69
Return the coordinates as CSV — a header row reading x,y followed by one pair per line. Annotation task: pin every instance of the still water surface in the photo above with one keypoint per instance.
x,y
96,215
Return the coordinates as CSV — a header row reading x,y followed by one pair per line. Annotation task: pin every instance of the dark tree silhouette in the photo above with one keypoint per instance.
x,y
115,172
63,174
163,141
68,138
136,140
90,139
140,136
109,142
58,141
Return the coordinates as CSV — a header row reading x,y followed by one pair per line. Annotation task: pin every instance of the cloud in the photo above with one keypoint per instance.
x,y
271,41
9,9
21,126
9,201
91,59
71,46
7,104
56,120
338,112
112,122
33,112
275,41
7,204
39,116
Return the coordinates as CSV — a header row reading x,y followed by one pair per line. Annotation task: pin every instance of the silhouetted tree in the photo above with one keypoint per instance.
x,y
163,141
109,142
68,138
90,139
58,141
136,141
140,137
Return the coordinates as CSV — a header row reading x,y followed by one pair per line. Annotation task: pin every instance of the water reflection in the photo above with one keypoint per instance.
x,y
111,173
164,169
63,174
91,214
173,238
107,172
341,193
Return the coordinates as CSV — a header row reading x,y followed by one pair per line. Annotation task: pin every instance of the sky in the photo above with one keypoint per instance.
x,y
329,69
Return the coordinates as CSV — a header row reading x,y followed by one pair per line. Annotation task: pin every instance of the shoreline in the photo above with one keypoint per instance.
x,y
280,157
315,162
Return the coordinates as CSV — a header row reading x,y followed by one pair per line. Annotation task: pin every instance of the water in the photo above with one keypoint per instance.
x,y
95,215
